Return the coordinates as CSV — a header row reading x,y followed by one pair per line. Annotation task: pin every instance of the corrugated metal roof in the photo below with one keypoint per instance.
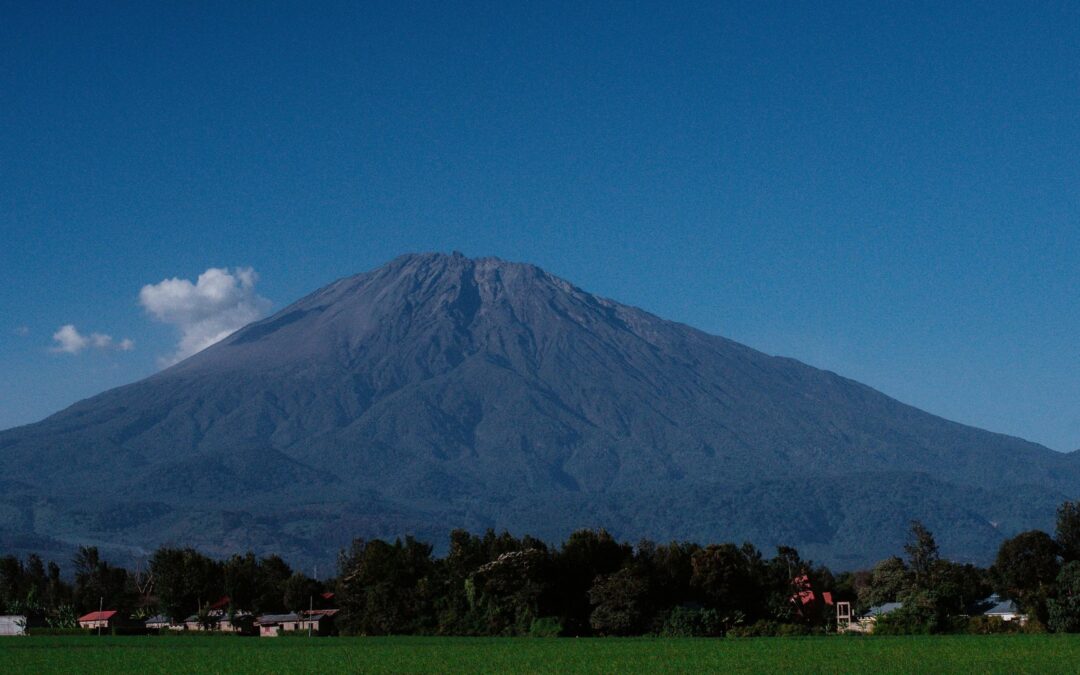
x,y
276,618
882,610
995,605
98,616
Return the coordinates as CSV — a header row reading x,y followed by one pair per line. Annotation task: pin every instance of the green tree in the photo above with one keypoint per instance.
x,y
300,591
956,586
98,581
888,580
1068,530
922,551
385,588
273,574
1064,610
668,569
185,581
510,591
585,555
240,575
1025,570
620,603
729,580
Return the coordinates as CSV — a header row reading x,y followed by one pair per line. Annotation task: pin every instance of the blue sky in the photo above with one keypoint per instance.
x,y
890,191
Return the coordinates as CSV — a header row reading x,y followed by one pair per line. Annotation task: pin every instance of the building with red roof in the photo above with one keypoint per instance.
x,y
104,619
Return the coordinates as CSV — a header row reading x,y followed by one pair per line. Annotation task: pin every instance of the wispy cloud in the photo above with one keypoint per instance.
x,y
22,331
68,340
207,311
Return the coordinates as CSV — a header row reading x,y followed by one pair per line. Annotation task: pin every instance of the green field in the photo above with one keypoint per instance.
x,y
1004,654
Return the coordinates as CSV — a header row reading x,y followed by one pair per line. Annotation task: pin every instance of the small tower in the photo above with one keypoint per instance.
x,y
843,616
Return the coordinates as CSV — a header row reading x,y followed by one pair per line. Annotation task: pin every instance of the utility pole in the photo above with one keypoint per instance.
x,y
100,610
311,607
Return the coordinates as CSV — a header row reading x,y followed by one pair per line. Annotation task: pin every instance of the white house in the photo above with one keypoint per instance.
x,y
12,624
866,621
1003,608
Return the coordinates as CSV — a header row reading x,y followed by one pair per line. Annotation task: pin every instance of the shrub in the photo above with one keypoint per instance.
x,y
59,631
692,622
545,626
764,628
990,625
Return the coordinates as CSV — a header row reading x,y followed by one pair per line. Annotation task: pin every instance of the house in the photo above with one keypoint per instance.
x,y
196,622
270,625
109,618
159,622
1002,608
13,624
805,595
241,622
320,621
864,623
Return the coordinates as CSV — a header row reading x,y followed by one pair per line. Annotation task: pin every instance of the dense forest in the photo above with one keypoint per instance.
x,y
498,584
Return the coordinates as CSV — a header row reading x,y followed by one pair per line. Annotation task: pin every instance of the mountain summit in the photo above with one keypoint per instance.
x,y
440,391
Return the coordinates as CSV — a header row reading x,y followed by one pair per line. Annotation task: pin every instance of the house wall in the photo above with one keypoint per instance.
x,y
94,624
13,625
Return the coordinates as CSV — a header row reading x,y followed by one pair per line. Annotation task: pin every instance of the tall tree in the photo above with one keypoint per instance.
x,y
1025,570
382,587
888,580
98,582
1064,610
729,579
300,592
1068,530
620,602
273,574
584,555
922,553
185,581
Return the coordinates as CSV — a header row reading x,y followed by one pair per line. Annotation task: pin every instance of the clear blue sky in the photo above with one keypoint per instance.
x,y
891,192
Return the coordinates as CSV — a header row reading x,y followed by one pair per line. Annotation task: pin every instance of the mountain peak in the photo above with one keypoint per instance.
x,y
441,391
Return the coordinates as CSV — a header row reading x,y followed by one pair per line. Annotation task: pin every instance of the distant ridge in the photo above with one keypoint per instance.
x,y
439,391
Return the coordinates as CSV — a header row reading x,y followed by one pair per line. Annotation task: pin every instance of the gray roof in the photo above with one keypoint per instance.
x,y
882,610
277,618
995,605
159,618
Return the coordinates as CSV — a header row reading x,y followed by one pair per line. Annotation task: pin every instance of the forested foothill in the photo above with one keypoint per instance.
x,y
592,584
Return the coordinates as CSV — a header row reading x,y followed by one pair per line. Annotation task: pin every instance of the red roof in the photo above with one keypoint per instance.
x,y
827,597
328,596
98,616
320,612
222,603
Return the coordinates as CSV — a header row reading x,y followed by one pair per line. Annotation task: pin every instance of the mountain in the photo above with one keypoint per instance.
x,y
440,391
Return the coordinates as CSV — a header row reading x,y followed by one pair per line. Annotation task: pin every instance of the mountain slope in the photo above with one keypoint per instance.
x,y
439,391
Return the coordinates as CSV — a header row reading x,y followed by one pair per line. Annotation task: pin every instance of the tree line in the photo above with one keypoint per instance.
x,y
591,584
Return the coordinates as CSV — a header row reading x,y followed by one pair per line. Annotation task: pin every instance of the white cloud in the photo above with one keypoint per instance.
x,y
69,340
215,306
22,331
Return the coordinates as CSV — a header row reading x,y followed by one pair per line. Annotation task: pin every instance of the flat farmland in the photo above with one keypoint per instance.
x,y
968,654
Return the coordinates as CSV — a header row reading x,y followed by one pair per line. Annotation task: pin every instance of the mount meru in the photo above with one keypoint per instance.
x,y
439,392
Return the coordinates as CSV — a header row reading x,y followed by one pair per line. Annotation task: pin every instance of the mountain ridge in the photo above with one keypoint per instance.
x,y
439,391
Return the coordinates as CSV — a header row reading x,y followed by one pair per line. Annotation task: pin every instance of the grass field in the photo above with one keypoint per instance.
x,y
971,654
